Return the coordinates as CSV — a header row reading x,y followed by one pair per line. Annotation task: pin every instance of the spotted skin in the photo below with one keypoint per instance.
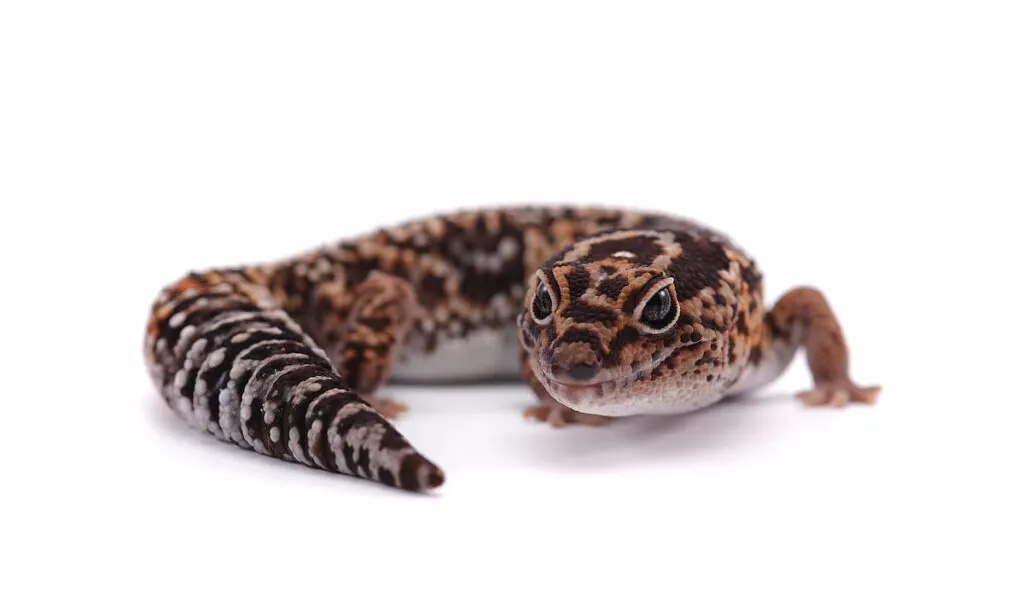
x,y
616,313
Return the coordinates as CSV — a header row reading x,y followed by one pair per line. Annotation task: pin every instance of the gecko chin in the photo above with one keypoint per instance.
x,y
624,397
593,399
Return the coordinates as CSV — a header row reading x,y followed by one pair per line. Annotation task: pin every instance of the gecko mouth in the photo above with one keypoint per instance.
x,y
605,398
610,397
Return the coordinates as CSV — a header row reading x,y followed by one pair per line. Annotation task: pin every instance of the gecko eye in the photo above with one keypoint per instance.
x,y
542,304
659,311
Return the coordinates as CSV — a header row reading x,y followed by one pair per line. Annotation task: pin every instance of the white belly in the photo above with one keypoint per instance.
x,y
485,354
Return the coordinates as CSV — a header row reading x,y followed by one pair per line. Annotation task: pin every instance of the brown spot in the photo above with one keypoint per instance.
x,y
755,355
611,287
699,265
432,290
751,275
627,336
578,280
710,324
584,313
574,335
645,248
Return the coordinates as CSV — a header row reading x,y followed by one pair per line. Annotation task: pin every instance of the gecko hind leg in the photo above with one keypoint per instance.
x,y
803,318
382,313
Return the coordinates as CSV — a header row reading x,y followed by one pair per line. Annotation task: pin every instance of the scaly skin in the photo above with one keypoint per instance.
x,y
617,313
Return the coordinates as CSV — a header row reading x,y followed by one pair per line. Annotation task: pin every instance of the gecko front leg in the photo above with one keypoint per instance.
x,y
382,312
803,318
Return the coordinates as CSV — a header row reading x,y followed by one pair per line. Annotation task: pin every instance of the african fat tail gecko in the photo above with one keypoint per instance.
x,y
604,312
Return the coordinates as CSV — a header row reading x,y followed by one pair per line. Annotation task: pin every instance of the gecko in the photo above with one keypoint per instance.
x,y
604,312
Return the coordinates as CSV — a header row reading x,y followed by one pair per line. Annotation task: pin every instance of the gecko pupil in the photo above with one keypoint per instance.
x,y
659,310
542,302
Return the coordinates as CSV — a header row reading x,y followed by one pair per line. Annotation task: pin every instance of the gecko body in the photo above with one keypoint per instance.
x,y
604,312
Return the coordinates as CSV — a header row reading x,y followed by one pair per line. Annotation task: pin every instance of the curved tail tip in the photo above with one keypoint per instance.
x,y
429,476
435,478
419,474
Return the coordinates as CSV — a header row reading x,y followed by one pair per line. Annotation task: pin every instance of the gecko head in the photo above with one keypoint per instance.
x,y
631,322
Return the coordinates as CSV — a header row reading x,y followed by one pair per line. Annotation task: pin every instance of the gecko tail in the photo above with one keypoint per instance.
x,y
232,363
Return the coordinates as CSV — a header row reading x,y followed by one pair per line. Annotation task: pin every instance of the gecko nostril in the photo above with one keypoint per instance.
x,y
582,371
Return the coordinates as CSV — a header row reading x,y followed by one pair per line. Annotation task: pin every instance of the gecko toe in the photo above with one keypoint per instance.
x,y
839,394
388,408
560,416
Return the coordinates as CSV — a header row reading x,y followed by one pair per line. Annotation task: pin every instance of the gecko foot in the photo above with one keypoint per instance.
x,y
559,416
839,394
388,408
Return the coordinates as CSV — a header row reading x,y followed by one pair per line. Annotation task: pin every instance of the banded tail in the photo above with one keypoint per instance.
x,y
231,362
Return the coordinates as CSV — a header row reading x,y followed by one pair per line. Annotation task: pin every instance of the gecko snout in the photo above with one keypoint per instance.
x,y
574,362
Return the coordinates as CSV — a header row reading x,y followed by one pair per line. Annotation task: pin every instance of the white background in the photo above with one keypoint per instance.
x,y
872,149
